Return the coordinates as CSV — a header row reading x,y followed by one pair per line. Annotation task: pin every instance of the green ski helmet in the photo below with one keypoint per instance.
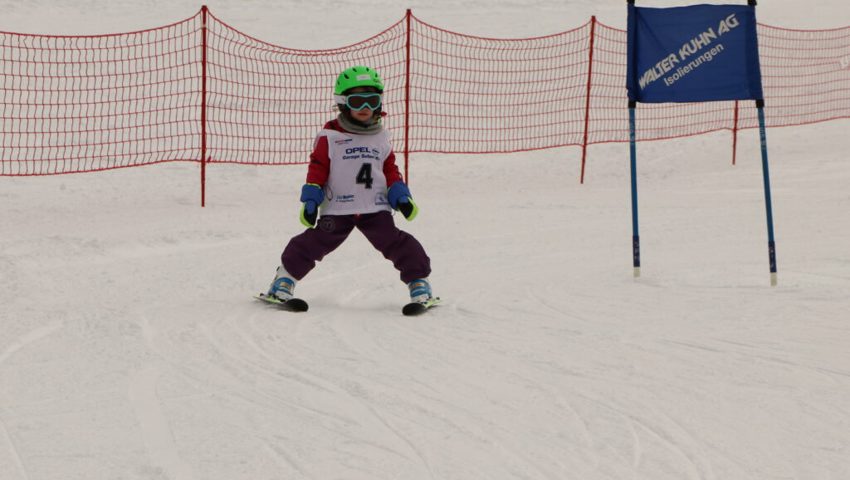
x,y
358,76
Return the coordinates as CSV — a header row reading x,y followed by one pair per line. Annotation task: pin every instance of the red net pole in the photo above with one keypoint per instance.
x,y
203,105
587,99
407,98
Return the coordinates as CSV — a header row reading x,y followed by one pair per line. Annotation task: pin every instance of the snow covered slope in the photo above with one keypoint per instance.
x,y
130,347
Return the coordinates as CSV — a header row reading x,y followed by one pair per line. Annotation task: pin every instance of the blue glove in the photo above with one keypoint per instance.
x,y
312,196
400,199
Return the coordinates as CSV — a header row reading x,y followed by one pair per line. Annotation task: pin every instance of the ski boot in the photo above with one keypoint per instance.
x,y
420,290
421,298
282,286
280,293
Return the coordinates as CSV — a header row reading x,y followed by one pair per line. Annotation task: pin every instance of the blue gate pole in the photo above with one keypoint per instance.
x,y
633,155
771,241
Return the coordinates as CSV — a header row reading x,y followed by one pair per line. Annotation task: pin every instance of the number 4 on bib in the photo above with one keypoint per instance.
x,y
364,176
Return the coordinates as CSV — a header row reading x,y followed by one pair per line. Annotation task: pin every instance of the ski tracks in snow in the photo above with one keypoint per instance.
x,y
649,430
276,368
21,343
156,430
360,346
29,338
15,454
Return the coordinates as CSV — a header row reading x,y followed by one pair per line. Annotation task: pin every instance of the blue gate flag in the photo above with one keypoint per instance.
x,y
700,53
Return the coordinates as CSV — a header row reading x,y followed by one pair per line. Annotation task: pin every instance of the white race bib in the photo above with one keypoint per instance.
x,y
356,183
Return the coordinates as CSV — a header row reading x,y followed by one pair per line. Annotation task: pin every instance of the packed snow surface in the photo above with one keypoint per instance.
x,y
130,346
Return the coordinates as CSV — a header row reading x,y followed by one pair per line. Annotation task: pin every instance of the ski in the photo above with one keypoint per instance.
x,y
418,308
291,305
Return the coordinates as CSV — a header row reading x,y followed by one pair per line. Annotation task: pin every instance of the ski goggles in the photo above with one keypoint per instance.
x,y
359,101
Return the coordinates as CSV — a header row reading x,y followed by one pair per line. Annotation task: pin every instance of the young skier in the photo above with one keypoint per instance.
x,y
353,180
